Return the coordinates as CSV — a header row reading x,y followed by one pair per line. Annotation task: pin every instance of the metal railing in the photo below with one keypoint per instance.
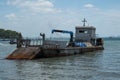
x,y
29,42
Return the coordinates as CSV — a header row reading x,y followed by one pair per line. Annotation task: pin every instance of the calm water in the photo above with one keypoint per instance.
x,y
99,65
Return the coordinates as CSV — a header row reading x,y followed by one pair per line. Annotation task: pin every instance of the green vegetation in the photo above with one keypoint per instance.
x,y
8,34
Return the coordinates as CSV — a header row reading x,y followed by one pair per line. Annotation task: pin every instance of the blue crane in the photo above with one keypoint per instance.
x,y
64,31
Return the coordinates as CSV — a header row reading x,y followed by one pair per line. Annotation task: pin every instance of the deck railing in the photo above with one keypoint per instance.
x,y
29,42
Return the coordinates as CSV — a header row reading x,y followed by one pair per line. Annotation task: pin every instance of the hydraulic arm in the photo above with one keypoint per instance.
x,y
64,31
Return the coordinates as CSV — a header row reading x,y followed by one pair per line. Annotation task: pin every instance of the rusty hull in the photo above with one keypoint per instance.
x,y
54,52
24,53
37,52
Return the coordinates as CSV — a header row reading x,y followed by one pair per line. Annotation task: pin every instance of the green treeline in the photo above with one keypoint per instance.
x,y
8,34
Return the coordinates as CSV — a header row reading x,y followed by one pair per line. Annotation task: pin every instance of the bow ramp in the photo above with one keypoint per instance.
x,y
25,53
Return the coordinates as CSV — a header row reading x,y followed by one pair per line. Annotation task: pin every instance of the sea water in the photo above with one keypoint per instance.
x,y
98,65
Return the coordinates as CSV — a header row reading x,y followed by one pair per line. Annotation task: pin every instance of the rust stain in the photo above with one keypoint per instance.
x,y
24,53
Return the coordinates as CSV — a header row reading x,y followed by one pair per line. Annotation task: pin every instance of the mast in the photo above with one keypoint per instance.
x,y
84,21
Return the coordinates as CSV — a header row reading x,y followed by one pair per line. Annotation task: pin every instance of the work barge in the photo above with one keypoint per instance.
x,y
84,40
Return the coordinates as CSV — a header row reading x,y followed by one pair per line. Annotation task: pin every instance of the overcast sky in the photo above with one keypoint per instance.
x,y
30,17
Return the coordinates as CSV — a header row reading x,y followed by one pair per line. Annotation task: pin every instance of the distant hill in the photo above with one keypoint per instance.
x,y
8,34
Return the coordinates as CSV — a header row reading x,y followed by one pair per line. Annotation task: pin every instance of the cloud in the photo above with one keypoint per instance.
x,y
100,18
10,16
34,5
89,6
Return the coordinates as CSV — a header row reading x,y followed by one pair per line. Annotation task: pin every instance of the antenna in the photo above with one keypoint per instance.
x,y
84,21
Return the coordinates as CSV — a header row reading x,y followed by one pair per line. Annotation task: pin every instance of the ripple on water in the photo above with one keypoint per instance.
x,y
99,65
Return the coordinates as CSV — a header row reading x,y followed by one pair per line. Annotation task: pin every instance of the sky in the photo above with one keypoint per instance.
x,y
31,17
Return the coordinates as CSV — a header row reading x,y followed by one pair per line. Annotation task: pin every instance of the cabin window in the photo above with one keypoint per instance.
x,y
83,31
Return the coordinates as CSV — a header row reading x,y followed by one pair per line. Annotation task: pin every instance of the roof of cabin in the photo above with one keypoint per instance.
x,y
85,27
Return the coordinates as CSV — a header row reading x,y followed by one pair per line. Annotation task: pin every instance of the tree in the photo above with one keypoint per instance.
x,y
9,34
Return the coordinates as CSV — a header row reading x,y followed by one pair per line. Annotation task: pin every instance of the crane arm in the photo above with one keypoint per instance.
x,y
64,31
